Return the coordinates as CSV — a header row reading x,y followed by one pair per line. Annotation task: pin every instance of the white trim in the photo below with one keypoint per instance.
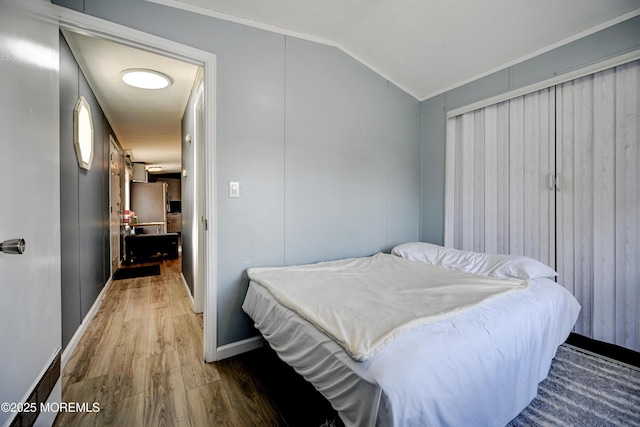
x,y
209,162
242,21
239,347
90,25
279,30
48,418
75,339
563,78
34,385
198,233
538,52
112,145
449,183
186,286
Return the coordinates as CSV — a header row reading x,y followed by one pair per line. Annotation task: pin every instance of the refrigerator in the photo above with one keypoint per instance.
x,y
150,203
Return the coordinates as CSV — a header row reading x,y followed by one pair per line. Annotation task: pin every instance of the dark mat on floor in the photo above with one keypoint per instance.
x,y
133,272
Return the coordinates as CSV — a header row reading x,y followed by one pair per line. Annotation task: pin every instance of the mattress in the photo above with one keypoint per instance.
x,y
480,367
366,303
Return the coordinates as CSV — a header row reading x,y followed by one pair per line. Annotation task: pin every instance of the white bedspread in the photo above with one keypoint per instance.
x,y
478,368
366,303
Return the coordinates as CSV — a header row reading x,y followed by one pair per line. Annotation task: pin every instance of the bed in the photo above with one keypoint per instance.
x,y
476,362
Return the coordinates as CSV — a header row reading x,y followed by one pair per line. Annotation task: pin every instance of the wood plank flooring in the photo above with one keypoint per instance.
x,y
141,361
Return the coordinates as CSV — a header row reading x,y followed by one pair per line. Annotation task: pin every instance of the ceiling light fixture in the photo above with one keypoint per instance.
x,y
154,169
146,79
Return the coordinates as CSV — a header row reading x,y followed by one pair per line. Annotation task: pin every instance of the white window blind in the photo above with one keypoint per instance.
x,y
555,175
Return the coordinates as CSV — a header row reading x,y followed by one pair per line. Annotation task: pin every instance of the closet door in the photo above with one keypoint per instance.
x,y
598,203
499,159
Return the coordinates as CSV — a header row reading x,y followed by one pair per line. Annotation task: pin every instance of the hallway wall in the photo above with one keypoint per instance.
x,y
187,182
84,202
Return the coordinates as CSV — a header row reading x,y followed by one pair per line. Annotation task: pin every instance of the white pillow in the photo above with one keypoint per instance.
x,y
498,266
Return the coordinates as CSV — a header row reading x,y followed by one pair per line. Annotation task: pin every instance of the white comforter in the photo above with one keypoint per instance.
x,y
480,367
366,303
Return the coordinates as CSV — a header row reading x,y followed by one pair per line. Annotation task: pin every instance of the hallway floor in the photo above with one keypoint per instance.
x,y
141,361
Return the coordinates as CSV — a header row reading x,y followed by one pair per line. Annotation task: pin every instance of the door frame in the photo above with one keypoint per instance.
x,y
89,25
199,225
114,211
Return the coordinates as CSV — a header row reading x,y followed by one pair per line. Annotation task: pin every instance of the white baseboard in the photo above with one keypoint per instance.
x,y
75,339
186,286
238,347
55,396
46,419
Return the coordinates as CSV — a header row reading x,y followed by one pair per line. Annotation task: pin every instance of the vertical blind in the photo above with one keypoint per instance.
x,y
554,175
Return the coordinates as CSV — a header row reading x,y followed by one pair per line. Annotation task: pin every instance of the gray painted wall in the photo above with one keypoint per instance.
x,y
327,152
605,44
351,157
84,202
69,202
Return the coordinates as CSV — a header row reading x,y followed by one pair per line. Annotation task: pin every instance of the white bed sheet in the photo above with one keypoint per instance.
x,y
479,368
366,303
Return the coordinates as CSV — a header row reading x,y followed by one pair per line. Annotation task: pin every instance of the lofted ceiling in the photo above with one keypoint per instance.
x,y
425,47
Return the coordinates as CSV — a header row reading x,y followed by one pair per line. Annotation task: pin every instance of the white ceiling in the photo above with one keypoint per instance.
x,y
425,47
147,123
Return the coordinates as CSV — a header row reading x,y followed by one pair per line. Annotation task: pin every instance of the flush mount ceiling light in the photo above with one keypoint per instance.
x,y
154,169
145,79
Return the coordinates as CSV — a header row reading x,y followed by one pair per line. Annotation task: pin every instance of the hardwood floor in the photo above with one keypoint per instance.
x,y
141,361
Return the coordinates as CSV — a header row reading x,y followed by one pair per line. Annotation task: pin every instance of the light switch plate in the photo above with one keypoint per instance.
x,y
234,189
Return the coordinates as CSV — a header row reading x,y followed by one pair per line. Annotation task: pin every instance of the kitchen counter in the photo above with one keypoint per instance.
x,y
161,226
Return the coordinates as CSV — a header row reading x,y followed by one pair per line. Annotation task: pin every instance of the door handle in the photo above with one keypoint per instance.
x,y
554,182
13,246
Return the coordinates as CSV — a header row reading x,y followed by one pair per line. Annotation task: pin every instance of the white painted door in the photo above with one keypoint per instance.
x,y
554,175
498,160
30,311
115,210
599,201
